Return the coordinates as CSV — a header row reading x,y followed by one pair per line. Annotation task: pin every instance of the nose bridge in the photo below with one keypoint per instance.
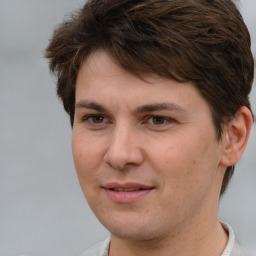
x,y
123,146
121,134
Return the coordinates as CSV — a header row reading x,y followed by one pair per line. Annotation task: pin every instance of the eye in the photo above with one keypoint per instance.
x,y
159,120
95,119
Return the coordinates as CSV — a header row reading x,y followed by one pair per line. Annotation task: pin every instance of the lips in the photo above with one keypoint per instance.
x,y
125,189
127,192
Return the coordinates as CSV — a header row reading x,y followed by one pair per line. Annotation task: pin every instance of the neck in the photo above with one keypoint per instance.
x,y
198,240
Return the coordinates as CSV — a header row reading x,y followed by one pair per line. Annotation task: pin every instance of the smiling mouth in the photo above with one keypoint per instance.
x,y
127,193
126,189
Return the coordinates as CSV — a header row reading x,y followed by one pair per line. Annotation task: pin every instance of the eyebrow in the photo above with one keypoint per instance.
x,y
160,106
145,108
90,105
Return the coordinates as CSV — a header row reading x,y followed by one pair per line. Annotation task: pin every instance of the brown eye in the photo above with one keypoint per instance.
x,y
158,120
95,119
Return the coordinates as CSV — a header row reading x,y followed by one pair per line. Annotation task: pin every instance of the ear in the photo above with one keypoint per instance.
x,y
235,137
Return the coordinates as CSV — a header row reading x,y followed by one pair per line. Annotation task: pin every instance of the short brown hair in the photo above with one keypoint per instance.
x,y
202,41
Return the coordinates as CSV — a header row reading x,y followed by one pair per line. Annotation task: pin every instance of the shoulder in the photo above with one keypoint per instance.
x,y
99,249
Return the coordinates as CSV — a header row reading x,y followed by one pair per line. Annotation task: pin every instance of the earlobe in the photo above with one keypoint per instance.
x,y
236,136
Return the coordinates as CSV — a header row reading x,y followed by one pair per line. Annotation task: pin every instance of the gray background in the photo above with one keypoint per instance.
x,y
42,210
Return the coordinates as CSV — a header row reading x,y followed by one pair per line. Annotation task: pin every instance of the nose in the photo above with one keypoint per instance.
x,y
124,148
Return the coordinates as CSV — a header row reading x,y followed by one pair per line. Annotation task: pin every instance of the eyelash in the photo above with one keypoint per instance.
x,y
90,119
162,118
87,119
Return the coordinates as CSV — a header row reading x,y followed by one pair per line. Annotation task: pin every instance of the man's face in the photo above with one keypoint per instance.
x,y
146,151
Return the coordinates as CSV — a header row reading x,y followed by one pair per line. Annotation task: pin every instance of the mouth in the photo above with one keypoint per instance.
x,y
125,189
127,193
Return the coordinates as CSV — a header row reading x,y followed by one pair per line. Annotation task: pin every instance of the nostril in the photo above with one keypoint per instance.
x,y
123,158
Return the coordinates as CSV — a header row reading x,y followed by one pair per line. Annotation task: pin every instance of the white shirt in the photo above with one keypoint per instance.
x,y
231,249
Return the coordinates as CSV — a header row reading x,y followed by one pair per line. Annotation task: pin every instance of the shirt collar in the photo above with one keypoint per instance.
x,y
231,240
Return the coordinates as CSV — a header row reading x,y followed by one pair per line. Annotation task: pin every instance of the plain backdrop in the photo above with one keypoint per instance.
x,y
42,209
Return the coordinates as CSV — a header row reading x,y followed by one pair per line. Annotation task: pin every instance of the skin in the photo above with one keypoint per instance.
x,y
158,133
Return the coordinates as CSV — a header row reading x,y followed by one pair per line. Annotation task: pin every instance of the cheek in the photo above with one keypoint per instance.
x,y
193,149
189,163
86,157
87,162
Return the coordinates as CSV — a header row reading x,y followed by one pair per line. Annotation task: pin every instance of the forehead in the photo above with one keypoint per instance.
x,y
101,78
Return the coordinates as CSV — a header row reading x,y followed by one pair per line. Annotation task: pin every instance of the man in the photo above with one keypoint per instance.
x,y
157,93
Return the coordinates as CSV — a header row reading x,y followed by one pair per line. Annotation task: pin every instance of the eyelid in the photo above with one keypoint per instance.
x,y
86,119
147,120
167,120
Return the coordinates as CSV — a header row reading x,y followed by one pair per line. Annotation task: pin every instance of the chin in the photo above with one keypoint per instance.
x,y
138,235
132,230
